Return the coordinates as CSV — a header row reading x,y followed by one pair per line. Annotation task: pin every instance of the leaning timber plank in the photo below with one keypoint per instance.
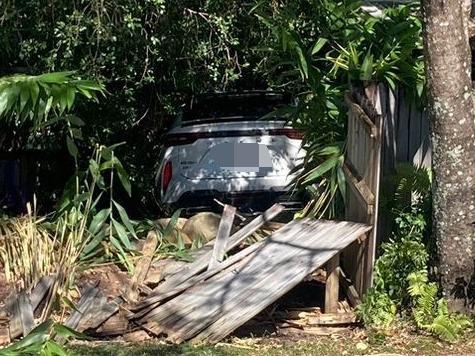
x,y
143,265
167,316
26,313
84,304
294,258
20,314
258,272
152,302
229,263
13,311
254,277
222,236
349,289
201,262
40,291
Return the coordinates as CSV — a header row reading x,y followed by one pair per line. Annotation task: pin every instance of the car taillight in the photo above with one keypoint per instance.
x,y
166,175
290,133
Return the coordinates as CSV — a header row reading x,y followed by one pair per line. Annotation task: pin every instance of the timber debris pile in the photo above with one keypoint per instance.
x,y
232,281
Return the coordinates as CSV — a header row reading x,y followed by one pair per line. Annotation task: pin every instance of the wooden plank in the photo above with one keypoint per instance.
x,y
40,291
175,316
202,262
117,324
415,120
389,132
367,152
332,285
224,229
374,184
360,188
238,289
332,319
26,313
20,314
4,331
143,265
349,289
98,312
402,129
296,258
83,305
360,261
222,304
155,299
13,311
230,262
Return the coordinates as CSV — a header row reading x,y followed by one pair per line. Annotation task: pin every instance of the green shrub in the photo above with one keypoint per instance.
x,y
401,282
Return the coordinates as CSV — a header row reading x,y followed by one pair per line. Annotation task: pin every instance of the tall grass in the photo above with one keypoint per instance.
x,y
27,250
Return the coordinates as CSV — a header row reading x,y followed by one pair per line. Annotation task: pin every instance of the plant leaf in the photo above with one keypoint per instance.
x,y
125,218
122,233
72,148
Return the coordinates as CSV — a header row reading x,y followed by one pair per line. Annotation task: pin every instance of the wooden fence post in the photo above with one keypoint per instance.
x,y
332,286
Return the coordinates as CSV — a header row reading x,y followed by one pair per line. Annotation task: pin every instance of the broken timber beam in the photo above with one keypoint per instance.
x,y
143,265
222,236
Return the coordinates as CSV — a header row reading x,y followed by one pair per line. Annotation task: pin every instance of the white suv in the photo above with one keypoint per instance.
x,y
222,148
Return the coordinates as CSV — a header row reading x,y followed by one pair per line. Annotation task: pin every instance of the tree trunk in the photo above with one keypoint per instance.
x,y
452,116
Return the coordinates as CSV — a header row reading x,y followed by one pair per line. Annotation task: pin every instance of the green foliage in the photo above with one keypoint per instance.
x,y
403,255
377,309
152,55
30,106
431,313
323,48
42,340
401,277
31,98
105,231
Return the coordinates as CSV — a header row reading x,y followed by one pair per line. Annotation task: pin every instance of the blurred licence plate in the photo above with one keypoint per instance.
x,y
242,157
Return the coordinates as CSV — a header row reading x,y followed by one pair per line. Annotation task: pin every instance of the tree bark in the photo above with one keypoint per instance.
x,y
452,116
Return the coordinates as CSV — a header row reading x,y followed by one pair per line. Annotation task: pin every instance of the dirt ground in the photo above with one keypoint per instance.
x,y
402,341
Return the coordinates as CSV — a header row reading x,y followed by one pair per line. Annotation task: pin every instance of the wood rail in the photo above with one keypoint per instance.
x,y
360,188
369,126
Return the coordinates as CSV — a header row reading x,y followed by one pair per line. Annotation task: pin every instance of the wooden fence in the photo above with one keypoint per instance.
x,y
362,169
405,129
384,129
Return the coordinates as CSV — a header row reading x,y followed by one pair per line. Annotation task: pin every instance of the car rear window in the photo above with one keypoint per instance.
x,y
235,107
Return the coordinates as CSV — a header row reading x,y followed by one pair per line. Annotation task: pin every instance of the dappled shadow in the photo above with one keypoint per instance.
x,y
465,291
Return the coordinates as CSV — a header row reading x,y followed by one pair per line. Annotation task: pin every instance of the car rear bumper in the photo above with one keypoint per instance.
x,y
249,202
